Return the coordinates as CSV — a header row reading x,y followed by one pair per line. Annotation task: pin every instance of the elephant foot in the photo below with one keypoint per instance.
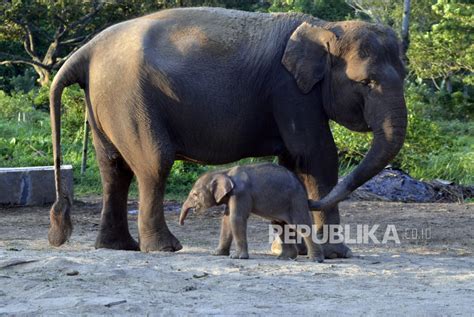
x,y
122,241
284,251
340,250
288,251
318,257
276,247
162,242
287,256
302,250
239,255
218,252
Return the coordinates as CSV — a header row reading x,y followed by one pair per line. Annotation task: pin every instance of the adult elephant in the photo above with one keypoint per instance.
x,y
213,86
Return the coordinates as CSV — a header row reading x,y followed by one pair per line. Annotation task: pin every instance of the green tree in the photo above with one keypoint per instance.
x,y
380,11
331,10
51,31
447,48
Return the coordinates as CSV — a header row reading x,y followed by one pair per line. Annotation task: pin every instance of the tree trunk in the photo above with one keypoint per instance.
x,y
85,142
449,85
44,75
405,29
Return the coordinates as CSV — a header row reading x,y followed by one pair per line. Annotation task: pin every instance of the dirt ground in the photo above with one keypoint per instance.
x,y
431,272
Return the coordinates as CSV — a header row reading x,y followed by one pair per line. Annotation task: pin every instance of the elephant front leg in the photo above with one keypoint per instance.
x,y
225,240
319,178
239,211
317,167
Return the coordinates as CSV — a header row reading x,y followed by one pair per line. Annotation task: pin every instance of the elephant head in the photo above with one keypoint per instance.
x,y
208,191
360,73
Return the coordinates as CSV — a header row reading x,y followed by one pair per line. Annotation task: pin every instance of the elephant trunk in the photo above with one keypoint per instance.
x,y
389,128
184,212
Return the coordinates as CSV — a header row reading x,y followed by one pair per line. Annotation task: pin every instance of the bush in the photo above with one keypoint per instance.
x,y
25,133
439,104
432,149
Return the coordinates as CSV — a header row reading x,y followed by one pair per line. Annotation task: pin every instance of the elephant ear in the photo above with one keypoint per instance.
x,y
221,185
306,55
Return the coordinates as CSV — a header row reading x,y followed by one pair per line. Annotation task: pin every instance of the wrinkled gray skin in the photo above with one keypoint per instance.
x,y
213,86
267,190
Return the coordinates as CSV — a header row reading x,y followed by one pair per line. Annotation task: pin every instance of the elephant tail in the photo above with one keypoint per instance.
x,y
72,72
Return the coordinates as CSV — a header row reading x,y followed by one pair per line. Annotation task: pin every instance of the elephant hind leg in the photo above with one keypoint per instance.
x,y
282,249
152,167
116,178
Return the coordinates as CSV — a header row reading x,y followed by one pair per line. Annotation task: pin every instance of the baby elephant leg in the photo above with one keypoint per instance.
x,y
226,236
284,250
288,250
315,251
301,217
239,231
239,211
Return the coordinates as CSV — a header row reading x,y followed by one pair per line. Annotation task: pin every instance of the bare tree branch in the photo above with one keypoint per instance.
x,y
435,83
359,7
97,7
60,19
67,33
406,28
28,42
19,60
60,61
63,29
74,40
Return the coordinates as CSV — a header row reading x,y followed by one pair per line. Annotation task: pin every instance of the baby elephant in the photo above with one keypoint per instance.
x,y
267,190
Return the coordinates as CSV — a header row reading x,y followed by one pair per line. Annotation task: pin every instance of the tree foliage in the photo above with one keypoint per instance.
x,y
327,10
50,31
447,48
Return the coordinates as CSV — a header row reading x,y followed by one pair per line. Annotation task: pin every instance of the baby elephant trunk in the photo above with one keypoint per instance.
x,y
184,212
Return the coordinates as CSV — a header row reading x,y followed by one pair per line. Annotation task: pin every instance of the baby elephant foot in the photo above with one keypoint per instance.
x,y
316,253
319,259
340,250
285,257
288,252
239,255
220,252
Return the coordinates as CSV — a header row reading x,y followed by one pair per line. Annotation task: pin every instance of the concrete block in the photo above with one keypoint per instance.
x,y
29,186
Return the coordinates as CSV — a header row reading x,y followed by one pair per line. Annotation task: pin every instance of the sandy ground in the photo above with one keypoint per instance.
x,y
431,275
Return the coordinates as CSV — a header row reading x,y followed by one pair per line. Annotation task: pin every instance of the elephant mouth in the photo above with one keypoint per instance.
x,y
183,215
355,126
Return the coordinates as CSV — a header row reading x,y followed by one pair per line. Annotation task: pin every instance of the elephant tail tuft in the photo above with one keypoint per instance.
x,y
72,72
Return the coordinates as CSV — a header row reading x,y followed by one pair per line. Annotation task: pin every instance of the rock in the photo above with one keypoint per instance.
x,y
29,186
396,185
123,301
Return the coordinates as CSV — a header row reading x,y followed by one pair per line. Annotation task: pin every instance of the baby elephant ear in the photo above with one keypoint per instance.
x,y
306,55
221,185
